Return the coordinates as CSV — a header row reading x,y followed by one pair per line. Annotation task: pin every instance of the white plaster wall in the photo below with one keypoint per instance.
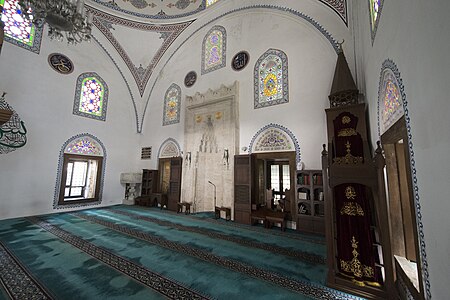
x,y
311,63
43,99
414,34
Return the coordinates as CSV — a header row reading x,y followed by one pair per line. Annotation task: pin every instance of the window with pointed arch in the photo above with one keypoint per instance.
x,y
214,49
375,7
80,172
391,104
18,29
91,97
172,105
271,79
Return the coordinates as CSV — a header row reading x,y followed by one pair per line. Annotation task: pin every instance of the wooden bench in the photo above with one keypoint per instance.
x,y
186,205
227,211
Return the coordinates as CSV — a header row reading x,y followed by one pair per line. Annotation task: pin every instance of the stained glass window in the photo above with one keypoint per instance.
x,y
91,97
391,104
214,49
210,2
375,12
271,79
19,30
84,145
172,105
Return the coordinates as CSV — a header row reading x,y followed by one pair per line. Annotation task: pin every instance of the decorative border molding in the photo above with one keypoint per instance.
x,y
285,83
285,130
76,102
339,6
374,28
160,16
301,15
36,47
141,75
224,49
169,140
138,126
176,87
59,171
389,64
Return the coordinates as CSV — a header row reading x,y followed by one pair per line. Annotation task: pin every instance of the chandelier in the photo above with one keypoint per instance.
x,y
64,18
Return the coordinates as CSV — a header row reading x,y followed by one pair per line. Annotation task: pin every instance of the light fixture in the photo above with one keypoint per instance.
x,y
62,16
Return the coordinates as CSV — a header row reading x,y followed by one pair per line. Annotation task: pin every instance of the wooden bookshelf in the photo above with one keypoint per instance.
x,y
310,201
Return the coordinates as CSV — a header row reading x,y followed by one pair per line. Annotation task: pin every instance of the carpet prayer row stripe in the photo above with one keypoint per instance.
x,y
295,236
165,286
18,282
303,287
304,256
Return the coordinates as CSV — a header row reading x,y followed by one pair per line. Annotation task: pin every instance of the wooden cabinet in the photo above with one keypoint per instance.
x,y
310,201
242,188
149,182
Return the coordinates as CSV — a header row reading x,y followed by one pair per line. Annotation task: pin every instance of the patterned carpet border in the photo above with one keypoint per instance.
x,y
304,256
304,287
165,286
295,236
18,282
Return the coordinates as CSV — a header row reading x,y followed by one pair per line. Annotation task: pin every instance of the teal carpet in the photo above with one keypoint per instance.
x,y
128,252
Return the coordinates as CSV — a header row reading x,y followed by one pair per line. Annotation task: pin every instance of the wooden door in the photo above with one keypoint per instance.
x,y
242,188
174,192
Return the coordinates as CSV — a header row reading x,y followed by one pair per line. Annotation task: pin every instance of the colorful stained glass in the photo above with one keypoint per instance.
x,y
375,7
91,97
172,105
214,45
391,103
16,26
91,101
84,145
271,79
210,2
374,11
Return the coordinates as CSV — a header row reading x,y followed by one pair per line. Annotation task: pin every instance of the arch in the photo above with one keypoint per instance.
x,y
270,8
275,138
390,106
91,96
172,105
214,49
169,148
271,79
390,68
83,144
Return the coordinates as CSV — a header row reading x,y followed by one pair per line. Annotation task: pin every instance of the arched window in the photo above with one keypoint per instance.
x,y
391,105
91,97
18,30
375,7
81,171
172,105
271,79
214,49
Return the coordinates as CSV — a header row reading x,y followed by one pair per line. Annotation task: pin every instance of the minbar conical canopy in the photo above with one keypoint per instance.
x,y
343,90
